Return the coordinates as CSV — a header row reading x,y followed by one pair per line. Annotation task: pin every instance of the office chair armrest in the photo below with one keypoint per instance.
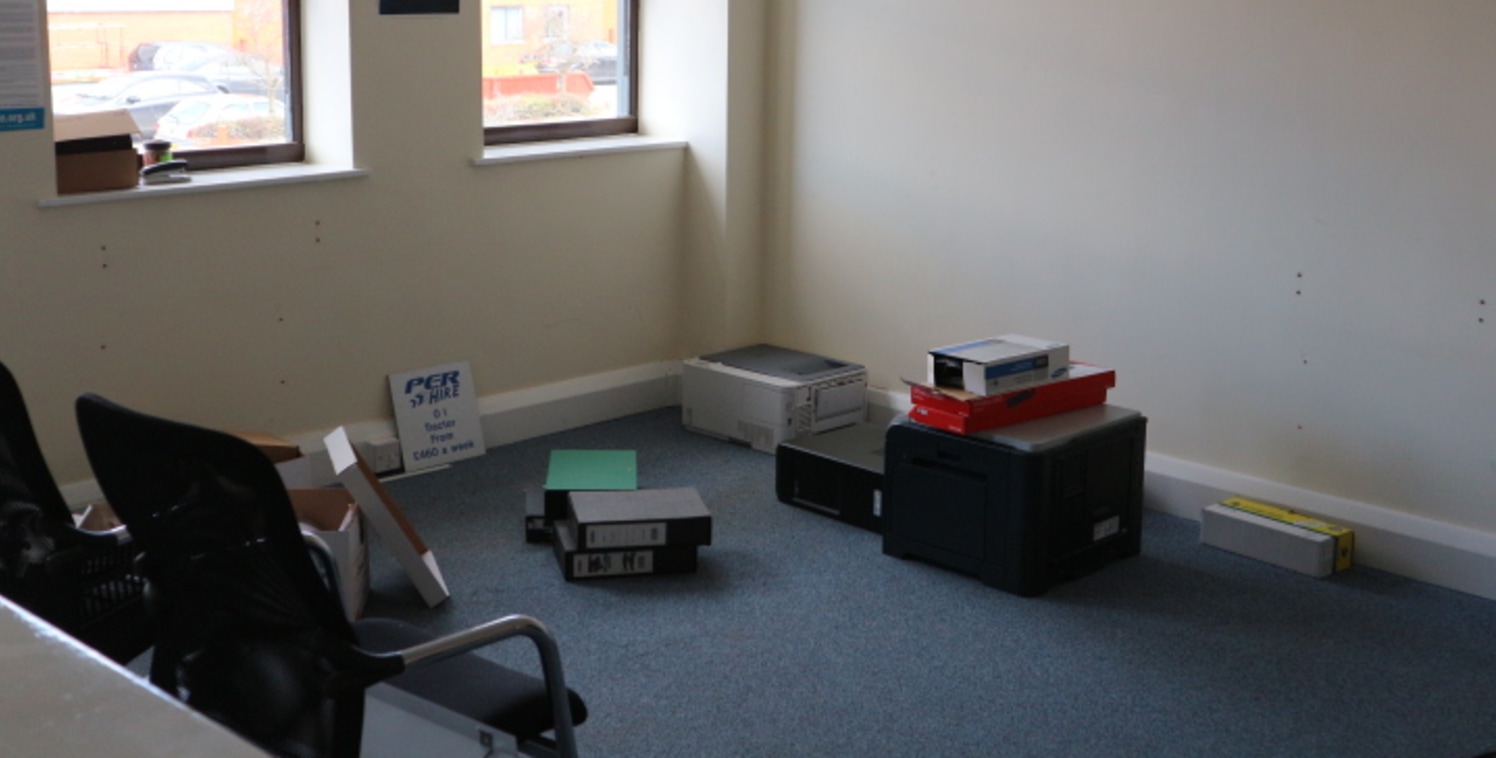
x,y
78,549
508,627
118,535
465,641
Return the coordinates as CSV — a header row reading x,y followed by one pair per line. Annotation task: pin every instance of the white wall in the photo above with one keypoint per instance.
x,y
705,65
284,308
1275,218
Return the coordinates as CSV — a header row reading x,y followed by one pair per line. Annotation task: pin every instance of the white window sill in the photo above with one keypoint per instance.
x,y
215,181
538,151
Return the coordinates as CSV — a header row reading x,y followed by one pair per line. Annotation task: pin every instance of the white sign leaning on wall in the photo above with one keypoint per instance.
x,y
436,415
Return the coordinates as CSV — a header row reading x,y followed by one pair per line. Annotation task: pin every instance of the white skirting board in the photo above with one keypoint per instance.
x,y
506,417
1456,557
1447,555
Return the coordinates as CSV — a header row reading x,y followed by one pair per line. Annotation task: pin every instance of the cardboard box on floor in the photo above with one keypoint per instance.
x,y
95,152
373,502
276,449
386,517
97,517
330,513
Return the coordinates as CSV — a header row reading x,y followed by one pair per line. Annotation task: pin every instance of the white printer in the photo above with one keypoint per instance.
x,y
762,395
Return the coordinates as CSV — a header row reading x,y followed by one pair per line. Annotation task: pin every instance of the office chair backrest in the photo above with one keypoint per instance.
x,y
81,582
28,496
24,475
250,634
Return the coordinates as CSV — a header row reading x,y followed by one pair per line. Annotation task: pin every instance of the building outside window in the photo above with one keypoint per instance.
x,y
219,75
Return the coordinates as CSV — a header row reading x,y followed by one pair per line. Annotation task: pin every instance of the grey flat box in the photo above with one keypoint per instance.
x,y
837,473
1291,547
640,518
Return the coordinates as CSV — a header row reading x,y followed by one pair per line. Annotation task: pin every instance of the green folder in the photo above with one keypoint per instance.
x,y
593,470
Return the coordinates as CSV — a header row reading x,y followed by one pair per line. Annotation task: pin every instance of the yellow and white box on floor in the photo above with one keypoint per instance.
x,y
1278,536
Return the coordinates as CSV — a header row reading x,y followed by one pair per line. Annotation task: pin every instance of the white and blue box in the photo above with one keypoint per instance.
x,y
997,365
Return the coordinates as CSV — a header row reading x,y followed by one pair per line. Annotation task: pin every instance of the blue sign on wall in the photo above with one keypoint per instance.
x,y
17,119
436,415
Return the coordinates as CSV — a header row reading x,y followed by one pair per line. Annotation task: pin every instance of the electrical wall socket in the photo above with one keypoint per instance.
x,y
384,455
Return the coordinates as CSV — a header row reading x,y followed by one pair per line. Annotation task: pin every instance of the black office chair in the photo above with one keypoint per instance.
x,y
251,633
82,582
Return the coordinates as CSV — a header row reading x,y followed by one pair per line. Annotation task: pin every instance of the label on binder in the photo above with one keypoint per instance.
x,y
612,564
645,534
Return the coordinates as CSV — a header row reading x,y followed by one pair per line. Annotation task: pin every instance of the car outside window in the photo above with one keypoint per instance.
x,y
559,71
180,57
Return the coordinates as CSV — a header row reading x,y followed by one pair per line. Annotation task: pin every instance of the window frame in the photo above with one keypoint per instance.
x,y
628,84
293,150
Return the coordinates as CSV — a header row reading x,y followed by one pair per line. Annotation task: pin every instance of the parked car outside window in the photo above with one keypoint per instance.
x,y
147,95
241,73
172,54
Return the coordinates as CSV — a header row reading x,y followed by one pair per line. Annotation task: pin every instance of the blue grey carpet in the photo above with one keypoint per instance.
x,y
798,637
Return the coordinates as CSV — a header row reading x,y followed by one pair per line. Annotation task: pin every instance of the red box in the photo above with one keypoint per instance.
x,y
965,412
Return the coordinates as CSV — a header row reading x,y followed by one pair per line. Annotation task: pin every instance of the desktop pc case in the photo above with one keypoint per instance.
x,y
1021,507
762,395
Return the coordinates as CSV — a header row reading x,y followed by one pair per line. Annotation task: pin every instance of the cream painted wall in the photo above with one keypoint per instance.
x,y
284,308
706,71
1275,218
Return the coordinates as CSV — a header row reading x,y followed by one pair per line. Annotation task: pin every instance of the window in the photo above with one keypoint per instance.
x,y
219,78
562,71
506,25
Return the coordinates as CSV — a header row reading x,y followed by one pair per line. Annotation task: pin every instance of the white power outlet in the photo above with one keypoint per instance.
x,y
384,455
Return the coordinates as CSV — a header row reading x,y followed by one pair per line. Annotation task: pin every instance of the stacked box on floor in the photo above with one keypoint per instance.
x,y
632,532
571,471
965,412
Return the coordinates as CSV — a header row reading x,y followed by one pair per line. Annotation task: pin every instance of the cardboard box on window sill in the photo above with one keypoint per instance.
x,y
95,152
